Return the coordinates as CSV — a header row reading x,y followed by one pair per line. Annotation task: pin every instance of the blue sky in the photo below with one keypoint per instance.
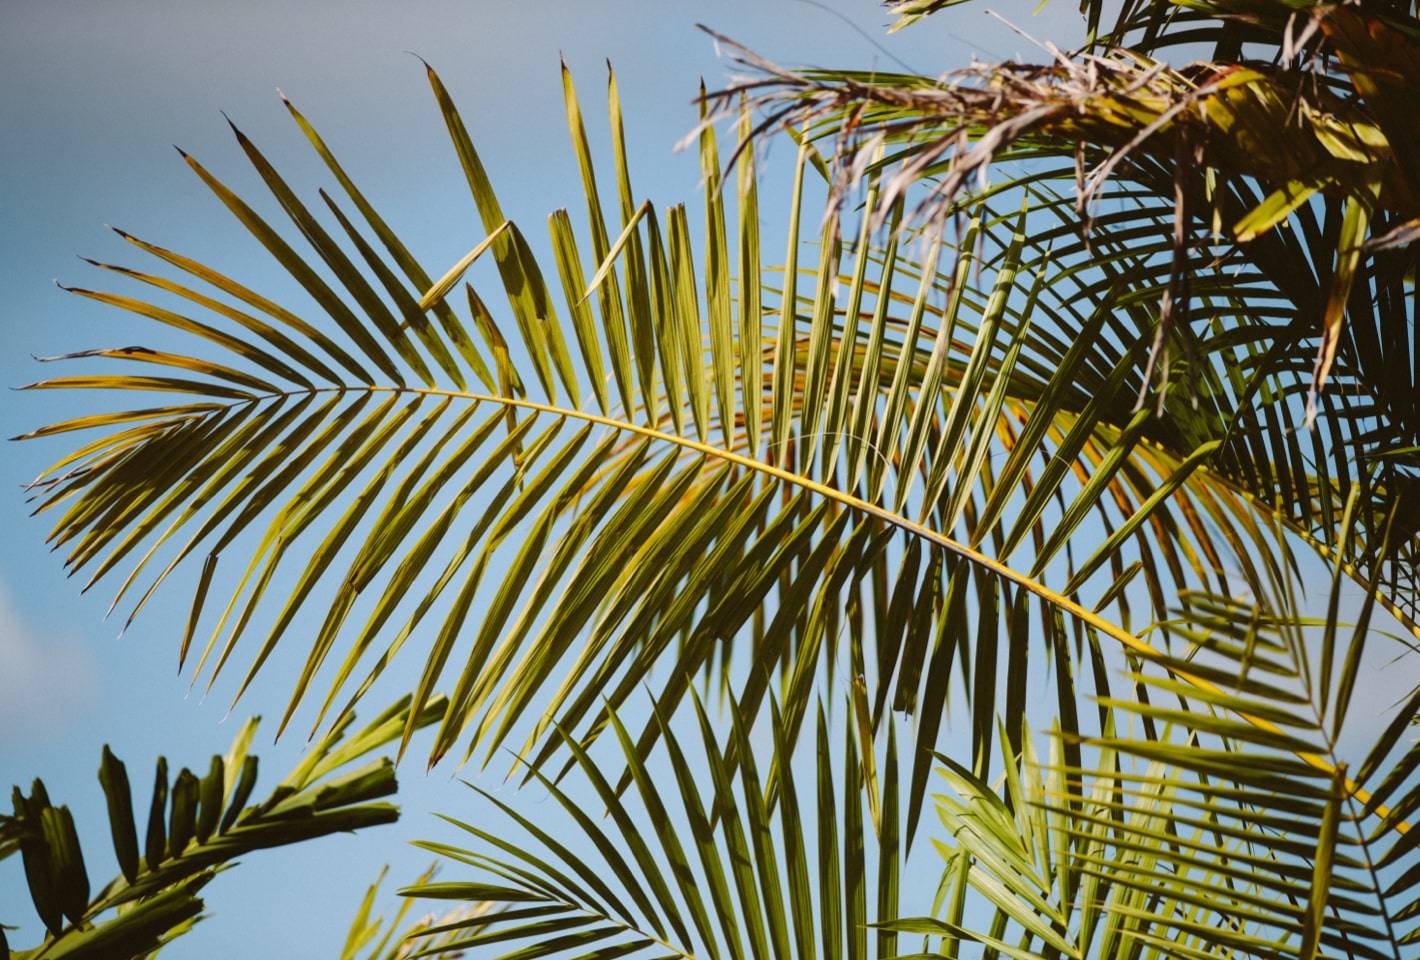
x,y
96,94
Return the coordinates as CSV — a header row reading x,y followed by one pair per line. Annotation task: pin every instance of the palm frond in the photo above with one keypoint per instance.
x,y
1199,832
372,938
197,826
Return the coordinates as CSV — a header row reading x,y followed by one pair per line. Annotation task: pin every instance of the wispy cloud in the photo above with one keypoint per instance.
x,y
45,678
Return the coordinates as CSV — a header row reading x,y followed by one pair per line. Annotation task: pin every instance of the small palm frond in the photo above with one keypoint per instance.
x,y
686,867
1299,675
1005,851
372,938
197,826
1147,859
1364,847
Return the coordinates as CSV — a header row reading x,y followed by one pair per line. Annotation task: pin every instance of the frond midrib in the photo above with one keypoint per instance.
x,y
844,499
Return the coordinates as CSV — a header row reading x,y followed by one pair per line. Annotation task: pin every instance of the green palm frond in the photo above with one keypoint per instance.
x,y
1147,859
1308,676
881,417
197,826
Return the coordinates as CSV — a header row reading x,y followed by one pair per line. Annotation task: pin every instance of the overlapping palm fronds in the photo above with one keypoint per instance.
x,y
1189,833
1292,162
641,488
690,866
1195,833
196,827
922,457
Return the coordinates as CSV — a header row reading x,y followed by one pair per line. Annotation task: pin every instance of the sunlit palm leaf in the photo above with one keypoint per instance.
x,y
372,938
654,533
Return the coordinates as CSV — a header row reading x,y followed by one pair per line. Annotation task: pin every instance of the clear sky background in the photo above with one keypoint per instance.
x,y
92,96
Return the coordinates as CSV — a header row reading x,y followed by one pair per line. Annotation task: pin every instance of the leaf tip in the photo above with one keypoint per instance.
x,y
241,137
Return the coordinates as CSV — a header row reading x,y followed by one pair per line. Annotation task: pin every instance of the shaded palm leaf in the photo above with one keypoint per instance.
x,y
1210,834
197,826
690,867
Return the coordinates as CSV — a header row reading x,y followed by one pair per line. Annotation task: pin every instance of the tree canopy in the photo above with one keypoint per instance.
x,y
1071,379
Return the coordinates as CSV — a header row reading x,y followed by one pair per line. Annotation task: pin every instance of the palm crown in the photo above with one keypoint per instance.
x,y
968,439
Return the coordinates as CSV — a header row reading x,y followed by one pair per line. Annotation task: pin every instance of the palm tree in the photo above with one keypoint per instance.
x,y
736,530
